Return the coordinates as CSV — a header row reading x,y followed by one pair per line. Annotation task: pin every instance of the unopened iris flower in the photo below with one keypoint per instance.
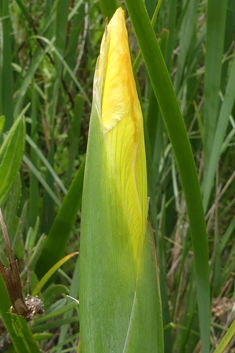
x,y
118,289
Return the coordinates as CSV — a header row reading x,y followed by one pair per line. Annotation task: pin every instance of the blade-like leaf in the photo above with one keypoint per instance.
x,y
2,121
12,158
226,339
62,226
222,124
6,101
108,8
48,275
12,131
216,16
180,143
128,312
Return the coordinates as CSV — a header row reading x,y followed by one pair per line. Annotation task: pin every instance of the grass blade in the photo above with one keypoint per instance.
x,y
70,72
187,31
2,122
171,27
6,107
60,231
216,15
226,339
108,8
74,134
34,170
175,127
62,10
34,187
47,164
12,158
222,124
7,140
48,275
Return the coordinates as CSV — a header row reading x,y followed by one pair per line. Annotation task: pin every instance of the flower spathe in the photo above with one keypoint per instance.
x,y
116,101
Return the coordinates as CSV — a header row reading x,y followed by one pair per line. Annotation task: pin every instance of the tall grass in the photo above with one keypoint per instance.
x,y
185,83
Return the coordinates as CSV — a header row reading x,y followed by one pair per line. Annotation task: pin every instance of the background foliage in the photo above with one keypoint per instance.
x,y
48,52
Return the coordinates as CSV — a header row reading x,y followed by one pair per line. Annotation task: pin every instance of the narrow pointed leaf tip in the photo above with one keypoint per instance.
x,y
118,107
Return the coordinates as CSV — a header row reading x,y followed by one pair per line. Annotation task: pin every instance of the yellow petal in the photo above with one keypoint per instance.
x,y
122,124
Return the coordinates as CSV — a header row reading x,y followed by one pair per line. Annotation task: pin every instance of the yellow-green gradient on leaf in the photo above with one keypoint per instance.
x,y
122,125
120,308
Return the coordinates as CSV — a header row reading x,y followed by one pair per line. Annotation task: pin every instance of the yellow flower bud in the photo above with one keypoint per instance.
x,y
120,114
119,297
